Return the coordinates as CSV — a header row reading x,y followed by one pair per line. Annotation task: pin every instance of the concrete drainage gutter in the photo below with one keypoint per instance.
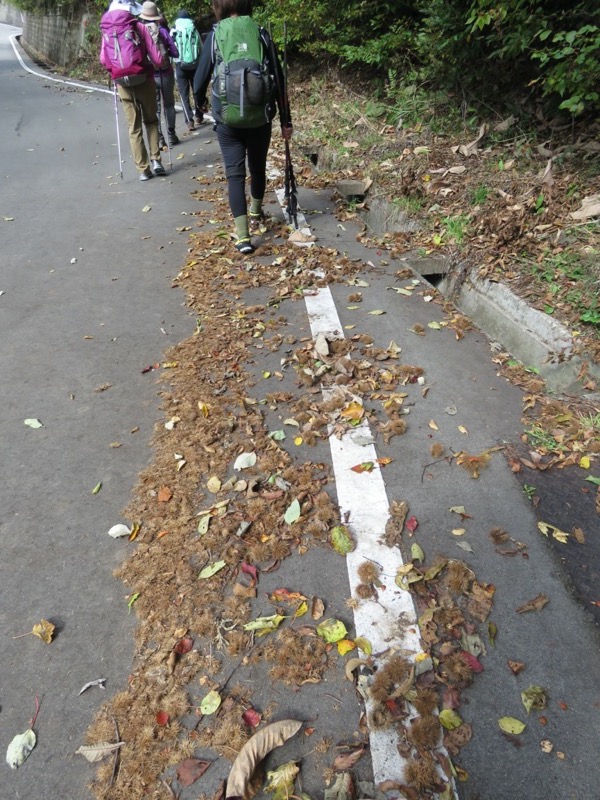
x,y
532,337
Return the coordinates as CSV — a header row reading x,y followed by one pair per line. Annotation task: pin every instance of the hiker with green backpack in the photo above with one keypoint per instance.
x,y
242,60
188,41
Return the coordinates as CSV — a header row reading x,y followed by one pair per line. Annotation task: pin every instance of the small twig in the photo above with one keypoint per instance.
x,y
116,761
169,789
445,458
37,711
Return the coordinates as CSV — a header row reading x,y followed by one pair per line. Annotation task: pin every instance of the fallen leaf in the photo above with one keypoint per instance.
x,y
190,769
341,541
342,789
516,667
211,702
511,725
538,602
244,461
364,645
213,484
535,697
347,760
433,425
134,597
164,494
411,524
366,466
119,530
416,553
280,781
97,488
98,682
20,748
331,630
254,751
345,646
317,608
162,718
449,719
546,745
292,513
33,423
96,752
264,625
211,569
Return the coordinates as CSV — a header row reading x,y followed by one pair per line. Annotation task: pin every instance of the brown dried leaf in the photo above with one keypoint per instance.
x,y
536,604
516,667
255,749
164,494
348,760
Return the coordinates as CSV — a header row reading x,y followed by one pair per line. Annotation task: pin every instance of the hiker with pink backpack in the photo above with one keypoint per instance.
x,y
130,55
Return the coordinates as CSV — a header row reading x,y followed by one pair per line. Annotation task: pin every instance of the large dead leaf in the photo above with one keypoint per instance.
x,y
347,760
263,741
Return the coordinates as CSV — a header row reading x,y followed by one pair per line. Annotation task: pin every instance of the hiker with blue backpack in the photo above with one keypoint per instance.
x,y
188,41
242,60
164,77
130,55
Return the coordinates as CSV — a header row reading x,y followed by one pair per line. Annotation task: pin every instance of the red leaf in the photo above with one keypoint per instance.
x,y
162,718
366,466
562,705
472,661
252,718
190,770
251,570
184,646
411,524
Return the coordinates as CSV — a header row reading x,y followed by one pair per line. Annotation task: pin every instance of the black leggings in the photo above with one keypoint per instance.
x,y
236,144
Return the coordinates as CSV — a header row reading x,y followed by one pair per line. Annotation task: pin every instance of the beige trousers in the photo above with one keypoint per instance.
x,y
139,105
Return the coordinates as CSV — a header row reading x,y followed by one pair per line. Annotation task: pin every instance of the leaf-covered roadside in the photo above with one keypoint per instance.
x,y
516,199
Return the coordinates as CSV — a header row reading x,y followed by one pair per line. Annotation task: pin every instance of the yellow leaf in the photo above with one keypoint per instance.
x,y
458,531
450,719
345,646
462,429
353,411
44,630
302,609
364,645
584,462
203,408
433,425
511,725
214,484
546,528
298,440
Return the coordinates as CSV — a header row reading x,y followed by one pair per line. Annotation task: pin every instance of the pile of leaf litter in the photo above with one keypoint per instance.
x,y
516,199
224,503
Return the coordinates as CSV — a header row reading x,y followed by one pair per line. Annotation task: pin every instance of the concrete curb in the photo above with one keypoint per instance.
x,y
533,337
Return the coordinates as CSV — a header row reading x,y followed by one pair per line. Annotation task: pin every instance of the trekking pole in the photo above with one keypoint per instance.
x,y
118,134
164,110
290,188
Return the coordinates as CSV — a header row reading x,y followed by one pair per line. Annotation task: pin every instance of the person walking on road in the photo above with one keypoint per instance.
x,y
243,127
189,44
129,54
164,77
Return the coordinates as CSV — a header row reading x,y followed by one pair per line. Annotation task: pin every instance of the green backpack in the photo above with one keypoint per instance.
x,y
242,82
187,40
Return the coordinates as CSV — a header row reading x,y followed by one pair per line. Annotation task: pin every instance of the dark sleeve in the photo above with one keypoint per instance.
x,y
285,114
204,70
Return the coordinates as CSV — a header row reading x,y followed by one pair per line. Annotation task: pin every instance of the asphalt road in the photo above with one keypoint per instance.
x,y
87,301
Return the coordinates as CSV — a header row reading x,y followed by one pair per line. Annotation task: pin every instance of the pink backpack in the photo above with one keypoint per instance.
x,y
123,52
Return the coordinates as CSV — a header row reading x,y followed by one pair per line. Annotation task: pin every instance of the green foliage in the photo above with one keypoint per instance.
x,y
480,48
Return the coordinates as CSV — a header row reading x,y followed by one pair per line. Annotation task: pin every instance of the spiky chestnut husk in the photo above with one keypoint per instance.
x,y
368,572
424,732
422,774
